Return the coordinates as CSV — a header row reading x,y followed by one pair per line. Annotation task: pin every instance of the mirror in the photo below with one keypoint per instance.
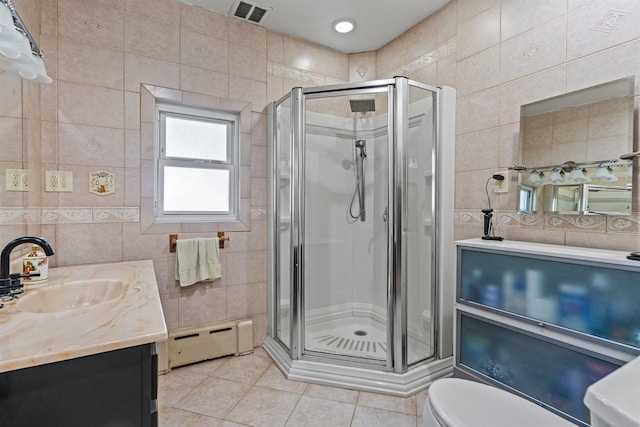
x,y
570,152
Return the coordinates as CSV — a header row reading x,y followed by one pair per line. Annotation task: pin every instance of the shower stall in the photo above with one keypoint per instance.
x,y
361,259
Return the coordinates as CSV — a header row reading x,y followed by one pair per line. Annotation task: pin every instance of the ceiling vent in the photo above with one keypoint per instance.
x,y
248,11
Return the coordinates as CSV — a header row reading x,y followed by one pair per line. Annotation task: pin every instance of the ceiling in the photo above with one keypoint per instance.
x,y
377,21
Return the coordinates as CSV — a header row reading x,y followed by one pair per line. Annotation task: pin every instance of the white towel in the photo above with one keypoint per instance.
x,y
197,260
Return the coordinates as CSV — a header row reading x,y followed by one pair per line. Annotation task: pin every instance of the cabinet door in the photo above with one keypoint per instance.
x,y
115,388
546,371
597,299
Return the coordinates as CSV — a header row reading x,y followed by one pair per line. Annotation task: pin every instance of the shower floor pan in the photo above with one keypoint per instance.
x,y
356,336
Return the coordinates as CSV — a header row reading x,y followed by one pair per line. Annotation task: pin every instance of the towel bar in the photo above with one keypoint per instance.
x,y
174,237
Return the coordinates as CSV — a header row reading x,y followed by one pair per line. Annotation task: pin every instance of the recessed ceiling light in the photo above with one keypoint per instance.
x,y
344,25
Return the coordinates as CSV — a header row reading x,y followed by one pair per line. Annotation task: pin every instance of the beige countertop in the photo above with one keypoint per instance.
x,y
132,318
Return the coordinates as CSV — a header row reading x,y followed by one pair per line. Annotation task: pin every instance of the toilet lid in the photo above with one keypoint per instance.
x,y
461,403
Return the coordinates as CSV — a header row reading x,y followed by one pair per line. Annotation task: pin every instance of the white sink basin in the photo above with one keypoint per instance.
x,y
70,296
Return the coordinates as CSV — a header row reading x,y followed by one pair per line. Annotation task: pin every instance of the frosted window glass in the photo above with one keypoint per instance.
x,y
196,190
195,139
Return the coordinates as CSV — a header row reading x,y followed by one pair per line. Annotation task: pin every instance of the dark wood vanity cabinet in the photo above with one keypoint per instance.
x,y
115,388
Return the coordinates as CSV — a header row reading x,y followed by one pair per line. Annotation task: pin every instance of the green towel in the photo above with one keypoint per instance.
x,y
197,260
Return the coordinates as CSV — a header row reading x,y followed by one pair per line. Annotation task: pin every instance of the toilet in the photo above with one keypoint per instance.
x,y
454,402
613,401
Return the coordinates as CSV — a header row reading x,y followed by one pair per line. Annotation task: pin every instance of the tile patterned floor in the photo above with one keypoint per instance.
x,y
250,391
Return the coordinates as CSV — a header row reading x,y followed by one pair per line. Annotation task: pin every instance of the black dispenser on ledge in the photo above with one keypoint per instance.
x,y
488,213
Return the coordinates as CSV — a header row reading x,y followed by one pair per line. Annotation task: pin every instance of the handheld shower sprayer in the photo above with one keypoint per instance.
x,y
361,146
488,213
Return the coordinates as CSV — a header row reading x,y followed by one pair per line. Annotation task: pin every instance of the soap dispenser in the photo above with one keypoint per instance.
x,y
35,266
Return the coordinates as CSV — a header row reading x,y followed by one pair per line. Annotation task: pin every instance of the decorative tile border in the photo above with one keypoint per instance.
x,y
116,214
66,215
594,223
19,216
623,224
582,222
11,216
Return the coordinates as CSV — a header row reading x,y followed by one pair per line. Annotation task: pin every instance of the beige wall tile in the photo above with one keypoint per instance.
x,y
90,105
478,111
91,22
11,93
200,20
203,51
518,16
275,47
611,64
194,79
300,54
90,65
478,33
468,9
152,38
167,11
251,91
332,63
602,25
88,243
201,304
245,267
446,20
535,50
247,62
90,145
362,66
478,150
421,38
478,72
529,89
11,130
248,35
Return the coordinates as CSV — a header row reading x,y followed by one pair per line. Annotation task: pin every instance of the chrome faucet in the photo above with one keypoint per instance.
x,y
9,282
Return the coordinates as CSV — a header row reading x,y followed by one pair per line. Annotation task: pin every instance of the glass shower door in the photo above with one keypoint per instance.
x,y
345,209
282,232
419,222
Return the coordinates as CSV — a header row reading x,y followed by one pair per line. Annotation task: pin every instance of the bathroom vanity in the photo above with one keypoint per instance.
x,y
545,321
80,349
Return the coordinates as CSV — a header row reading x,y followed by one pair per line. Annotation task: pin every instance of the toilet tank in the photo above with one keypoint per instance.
x,y
614,401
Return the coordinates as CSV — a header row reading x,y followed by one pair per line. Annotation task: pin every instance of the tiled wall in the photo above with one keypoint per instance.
x,y
498,54
99,53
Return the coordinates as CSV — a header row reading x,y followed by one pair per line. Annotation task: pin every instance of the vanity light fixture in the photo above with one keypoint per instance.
x,y
534,178
605,174
557,176
579,175
20,54
344,25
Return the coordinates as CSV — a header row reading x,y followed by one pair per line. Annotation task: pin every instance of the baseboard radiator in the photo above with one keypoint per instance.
x,y
196,344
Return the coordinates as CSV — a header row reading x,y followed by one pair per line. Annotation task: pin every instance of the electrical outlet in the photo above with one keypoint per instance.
x,y
59,181
501,186
17,180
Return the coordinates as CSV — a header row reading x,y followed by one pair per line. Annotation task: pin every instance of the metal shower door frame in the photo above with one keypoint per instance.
x,y
397,333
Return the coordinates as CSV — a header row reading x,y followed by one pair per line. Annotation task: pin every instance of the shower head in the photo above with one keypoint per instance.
x,y
362,105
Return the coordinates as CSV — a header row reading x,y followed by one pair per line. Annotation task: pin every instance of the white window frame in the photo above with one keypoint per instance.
x,y
231,164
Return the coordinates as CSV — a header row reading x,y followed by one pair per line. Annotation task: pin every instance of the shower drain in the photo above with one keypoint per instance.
x,y
351,345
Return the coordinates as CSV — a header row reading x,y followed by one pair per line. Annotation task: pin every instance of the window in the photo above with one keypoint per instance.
x,y
197,165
